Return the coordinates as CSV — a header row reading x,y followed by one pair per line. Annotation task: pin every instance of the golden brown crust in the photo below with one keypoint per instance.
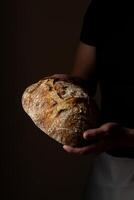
x,y
61,109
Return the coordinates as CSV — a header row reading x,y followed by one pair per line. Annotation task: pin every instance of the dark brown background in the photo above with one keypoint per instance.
x,y
40,39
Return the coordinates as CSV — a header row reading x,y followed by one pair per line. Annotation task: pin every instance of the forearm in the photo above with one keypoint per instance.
x,y
84,66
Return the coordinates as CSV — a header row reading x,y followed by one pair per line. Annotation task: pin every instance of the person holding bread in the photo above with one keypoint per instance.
x,y
62,105
105,55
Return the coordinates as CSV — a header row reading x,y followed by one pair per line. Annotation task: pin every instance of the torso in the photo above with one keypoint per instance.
x,y
115,65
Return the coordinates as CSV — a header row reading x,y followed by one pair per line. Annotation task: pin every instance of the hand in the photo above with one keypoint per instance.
x,y
109,135
74,79
61,76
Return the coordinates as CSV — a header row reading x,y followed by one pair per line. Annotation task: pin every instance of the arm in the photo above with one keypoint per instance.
x,y
85,65
84,62
110,135
85,58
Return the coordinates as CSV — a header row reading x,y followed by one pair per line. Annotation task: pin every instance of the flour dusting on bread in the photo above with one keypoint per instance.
x,y
61,109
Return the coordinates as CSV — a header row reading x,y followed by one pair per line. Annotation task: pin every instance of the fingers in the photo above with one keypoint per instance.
x,y
92,134
79,151
97,148
99,133
62,76
66,77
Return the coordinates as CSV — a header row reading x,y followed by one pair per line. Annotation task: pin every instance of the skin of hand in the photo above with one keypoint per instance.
x,y
110,136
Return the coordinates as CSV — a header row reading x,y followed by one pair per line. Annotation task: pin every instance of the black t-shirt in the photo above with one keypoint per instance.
x,y
108,25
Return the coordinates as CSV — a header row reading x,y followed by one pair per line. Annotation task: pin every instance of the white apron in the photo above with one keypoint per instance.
x,y
110,178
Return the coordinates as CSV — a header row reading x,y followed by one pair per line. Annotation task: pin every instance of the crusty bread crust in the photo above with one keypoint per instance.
x,y
61,109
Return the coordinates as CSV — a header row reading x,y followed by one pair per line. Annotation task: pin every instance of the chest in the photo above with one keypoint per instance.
x,y
116,47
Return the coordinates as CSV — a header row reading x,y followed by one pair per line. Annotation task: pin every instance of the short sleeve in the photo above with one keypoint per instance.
x,y
88,31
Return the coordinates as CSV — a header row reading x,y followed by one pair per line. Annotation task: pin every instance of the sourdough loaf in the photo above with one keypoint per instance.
x,y
61,109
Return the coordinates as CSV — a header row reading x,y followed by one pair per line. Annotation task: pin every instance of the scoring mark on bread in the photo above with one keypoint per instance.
x,y
60,109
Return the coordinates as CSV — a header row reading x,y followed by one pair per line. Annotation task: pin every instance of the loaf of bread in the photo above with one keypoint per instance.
x,y
61,109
